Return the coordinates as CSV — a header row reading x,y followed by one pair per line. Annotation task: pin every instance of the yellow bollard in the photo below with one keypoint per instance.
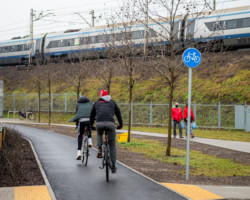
x,y
123,137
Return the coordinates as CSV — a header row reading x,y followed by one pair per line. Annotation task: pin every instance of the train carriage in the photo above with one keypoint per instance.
x,y
216,29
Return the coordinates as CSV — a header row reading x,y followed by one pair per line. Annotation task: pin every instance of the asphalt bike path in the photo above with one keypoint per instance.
x,y
71,180
189,191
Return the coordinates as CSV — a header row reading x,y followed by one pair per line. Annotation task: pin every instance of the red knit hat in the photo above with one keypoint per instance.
x,y
103,93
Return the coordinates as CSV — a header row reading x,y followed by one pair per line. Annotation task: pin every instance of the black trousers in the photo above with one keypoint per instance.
x,y
81,127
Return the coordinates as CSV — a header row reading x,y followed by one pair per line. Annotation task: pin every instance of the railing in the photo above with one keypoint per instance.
x,y
150,114
12,112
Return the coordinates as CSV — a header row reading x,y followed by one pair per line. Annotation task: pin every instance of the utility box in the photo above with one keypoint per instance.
x,y
1,98
239,117
247,121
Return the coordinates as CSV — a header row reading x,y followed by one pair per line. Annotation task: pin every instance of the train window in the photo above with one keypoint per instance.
x,y
152,33
26,47
20,47
176,29
67,43
216,26
137,35
231,24
127,35
118,37
101,39
246,22
92,39
84,40
108,38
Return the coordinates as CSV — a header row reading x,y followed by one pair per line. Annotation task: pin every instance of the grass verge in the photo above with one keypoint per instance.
x,y
200,164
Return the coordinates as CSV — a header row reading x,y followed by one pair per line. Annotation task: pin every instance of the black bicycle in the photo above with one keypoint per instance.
x,y
29,114
106,161
85,146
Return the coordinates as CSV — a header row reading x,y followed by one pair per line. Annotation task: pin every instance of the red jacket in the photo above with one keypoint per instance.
x,y
185,111
177,114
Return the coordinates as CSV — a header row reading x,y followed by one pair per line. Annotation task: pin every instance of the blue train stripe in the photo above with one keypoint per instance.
x,y
58,53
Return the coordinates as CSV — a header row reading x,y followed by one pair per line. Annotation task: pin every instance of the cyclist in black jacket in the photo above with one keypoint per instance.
x,y
104,109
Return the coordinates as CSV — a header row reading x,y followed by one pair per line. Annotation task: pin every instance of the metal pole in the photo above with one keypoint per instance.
x,y
52,102
14,103
189,121
195,110
65,103
131,113
214,4
92,12
25,102
31,37
245,117
38,103
151,112
146,29
219,115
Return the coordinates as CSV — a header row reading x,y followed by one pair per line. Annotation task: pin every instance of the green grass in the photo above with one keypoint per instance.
x,y
200,164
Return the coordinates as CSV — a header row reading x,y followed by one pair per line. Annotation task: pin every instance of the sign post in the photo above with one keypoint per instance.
x,y
191,58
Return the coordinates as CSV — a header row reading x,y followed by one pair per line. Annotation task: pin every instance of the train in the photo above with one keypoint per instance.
x,y
221,28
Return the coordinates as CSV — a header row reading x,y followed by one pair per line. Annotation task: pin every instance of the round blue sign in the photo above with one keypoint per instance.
x,y
191,57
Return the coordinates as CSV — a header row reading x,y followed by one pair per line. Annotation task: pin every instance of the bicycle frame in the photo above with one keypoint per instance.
x,y
106,162
85,145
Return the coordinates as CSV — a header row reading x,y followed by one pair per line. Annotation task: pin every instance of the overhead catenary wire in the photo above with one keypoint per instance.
x,y
67,17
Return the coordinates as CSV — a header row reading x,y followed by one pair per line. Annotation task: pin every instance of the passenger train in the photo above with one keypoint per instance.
x,y
228,28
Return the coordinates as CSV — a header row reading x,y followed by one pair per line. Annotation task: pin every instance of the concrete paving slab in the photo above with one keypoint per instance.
x,y
229,192
7,193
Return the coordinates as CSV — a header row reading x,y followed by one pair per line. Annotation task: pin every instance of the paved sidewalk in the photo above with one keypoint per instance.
x,y
222,192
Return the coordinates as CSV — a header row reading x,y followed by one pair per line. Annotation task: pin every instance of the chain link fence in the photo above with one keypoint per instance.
x,y
150,114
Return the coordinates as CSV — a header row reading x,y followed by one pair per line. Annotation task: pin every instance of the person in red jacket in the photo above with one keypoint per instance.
x,y
185,111
177,117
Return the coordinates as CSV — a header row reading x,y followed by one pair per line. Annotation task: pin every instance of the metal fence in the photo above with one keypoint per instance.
x,y
152,114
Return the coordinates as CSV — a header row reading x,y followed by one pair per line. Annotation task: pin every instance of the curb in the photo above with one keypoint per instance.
x,y
51,192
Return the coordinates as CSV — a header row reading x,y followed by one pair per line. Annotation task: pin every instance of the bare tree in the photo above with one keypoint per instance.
x,y
170,17
128,53
105,70
37,74
78,70
50,72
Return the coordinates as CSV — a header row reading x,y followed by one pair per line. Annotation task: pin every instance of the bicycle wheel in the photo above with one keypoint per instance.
x,y
85,153
106,154
31,116
21,117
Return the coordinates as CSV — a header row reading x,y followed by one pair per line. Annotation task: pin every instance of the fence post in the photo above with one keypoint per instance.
x,y
151,111
219,115
131,113
14,105
25,102
195,109
38,102
245,117
51,102
65,102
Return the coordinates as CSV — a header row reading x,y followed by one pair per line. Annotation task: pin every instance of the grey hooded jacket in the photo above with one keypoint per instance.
x,y
83,108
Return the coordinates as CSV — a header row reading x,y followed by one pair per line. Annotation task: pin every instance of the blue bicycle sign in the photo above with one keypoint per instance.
x,y
191,57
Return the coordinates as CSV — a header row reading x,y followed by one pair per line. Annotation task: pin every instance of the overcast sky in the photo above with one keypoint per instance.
x,y
60,14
